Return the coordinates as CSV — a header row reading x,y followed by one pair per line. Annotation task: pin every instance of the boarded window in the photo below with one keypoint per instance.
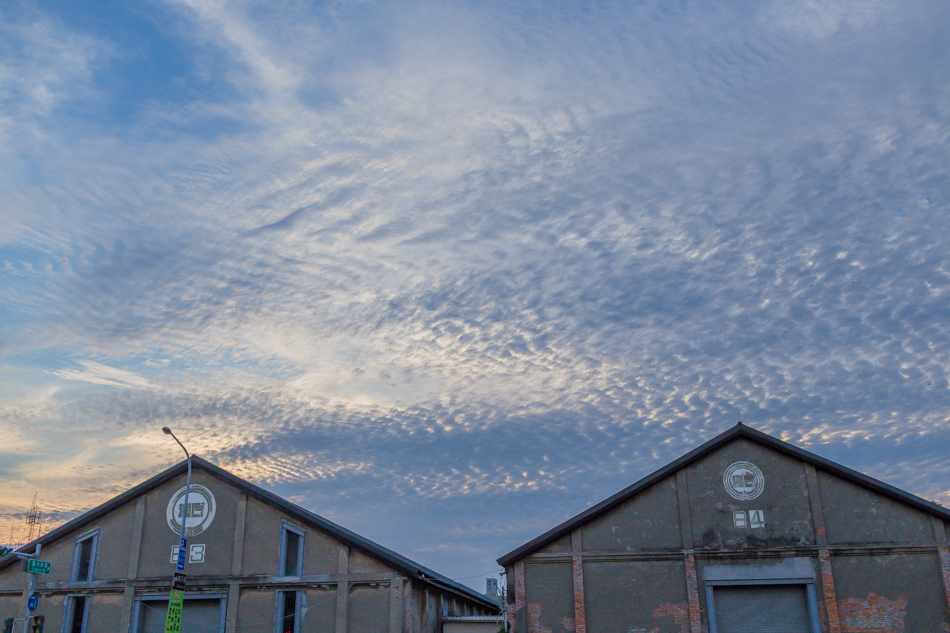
x,y
762,609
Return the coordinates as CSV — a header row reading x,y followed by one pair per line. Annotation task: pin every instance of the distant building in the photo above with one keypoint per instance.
x,y
744,534
256,564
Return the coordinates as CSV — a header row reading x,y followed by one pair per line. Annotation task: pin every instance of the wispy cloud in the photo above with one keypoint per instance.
x,y
491,261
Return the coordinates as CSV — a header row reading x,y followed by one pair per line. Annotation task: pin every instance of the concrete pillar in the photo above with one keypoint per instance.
x,y
824,554
689,559
577,560
128,594
828,589
692,594
237,550
396,613
520,621
342,590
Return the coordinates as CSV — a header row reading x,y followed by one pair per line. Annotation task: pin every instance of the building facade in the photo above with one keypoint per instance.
x,y
744,534
256,563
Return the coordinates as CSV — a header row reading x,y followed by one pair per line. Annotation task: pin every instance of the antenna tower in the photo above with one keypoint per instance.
x,y
34,522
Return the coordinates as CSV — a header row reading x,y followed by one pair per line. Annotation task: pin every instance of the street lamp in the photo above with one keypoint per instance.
x,y
175,598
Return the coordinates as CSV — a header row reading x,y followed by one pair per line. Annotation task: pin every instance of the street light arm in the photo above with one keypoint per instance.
x,y
168,431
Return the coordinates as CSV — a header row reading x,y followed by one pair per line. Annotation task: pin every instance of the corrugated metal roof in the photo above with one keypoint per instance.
x,y
472,618
739,430
399,562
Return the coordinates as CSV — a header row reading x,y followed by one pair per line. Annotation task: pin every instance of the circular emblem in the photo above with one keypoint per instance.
x,y
201,507
743,481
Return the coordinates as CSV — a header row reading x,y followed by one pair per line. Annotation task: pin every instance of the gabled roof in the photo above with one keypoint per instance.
x,y
739,430
398,562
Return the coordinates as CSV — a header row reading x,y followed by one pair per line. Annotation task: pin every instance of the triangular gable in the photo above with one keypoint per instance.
x,y
738,431
391,558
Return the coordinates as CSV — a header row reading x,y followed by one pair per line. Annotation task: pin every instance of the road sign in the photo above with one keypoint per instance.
x,y
173,619
33,601
182,550
34,566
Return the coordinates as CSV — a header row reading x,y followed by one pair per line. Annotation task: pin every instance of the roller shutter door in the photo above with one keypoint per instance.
x,y
197,616
762,609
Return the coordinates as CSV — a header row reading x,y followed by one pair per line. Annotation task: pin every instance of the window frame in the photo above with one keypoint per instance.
x,y
192,595
71,610
92,535
279,610
285,527
790,571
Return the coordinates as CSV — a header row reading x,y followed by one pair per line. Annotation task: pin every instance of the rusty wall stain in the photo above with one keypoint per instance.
x,y
877,614
679,611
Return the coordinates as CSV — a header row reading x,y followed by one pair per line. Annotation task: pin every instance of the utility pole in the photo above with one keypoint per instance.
x,y
176,597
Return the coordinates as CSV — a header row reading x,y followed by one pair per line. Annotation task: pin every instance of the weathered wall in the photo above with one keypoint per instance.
x,y
549,592
367,609
855,515
257,611
105,613
12,579
321,610
897,593
649,521
158,538
784,500
636,596
360,563
321,553
10,607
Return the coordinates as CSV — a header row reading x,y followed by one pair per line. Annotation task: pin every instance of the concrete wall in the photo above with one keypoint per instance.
x,y
877,565
635,596
343,590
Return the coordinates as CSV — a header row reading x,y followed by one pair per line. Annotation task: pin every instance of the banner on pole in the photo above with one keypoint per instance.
x,y
173,619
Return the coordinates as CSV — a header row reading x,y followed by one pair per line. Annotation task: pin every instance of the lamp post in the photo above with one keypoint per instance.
x,y
173,617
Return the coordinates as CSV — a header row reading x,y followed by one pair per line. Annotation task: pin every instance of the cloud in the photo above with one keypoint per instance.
x,y
99,374
484,264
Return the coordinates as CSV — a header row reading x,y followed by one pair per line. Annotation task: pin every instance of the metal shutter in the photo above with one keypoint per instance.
x,y
198,616
762,609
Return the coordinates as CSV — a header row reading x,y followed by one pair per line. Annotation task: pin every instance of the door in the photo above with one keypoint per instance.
x,y
761,609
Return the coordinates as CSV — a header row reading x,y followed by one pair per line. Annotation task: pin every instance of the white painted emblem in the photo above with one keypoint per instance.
x,y
743,481
201,508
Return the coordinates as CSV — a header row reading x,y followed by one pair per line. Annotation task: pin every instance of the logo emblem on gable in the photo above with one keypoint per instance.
x,y
201,508
743,481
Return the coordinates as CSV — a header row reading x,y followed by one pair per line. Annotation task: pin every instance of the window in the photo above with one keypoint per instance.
x,y
84,557
77,614
291,551
288,613
764,598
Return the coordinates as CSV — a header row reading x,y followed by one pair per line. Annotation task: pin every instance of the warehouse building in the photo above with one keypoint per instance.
x,y
745,534
256,563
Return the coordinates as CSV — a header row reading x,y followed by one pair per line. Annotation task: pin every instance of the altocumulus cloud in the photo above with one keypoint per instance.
x,y
473,267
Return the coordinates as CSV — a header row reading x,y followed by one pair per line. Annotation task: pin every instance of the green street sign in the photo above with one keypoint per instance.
x,y
173,618
34,566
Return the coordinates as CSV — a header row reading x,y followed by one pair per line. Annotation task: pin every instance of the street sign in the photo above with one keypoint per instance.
x,y
34,566
33,601
182,545
173,619
178,584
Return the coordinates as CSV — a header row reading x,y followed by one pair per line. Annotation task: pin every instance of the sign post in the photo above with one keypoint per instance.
x,y
177,595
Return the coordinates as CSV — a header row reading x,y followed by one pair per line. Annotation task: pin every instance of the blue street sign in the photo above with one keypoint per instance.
x,y
34,600
181,554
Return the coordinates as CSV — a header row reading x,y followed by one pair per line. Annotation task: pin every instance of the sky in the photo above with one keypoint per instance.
x,y
449,273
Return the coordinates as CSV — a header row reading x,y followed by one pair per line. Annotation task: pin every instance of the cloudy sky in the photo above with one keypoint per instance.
x,y
448,273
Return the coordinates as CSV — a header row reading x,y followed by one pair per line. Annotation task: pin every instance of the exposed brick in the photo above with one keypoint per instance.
x,y
945,571
828,591
874,615
519,595
679,611
692,594
580,616
534,619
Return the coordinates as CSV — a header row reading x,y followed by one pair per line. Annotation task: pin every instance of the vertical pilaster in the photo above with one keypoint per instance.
x,y
396,617
237,551
828,589
817,511
824,554
407,607
940,537
520,624
689,558
231,616
135,550
342,590
692,594
577,559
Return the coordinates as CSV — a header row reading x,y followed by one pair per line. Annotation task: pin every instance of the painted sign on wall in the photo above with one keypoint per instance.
x,y
743,481
200,511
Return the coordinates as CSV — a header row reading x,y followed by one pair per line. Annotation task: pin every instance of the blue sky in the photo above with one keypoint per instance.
x,y
450,273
